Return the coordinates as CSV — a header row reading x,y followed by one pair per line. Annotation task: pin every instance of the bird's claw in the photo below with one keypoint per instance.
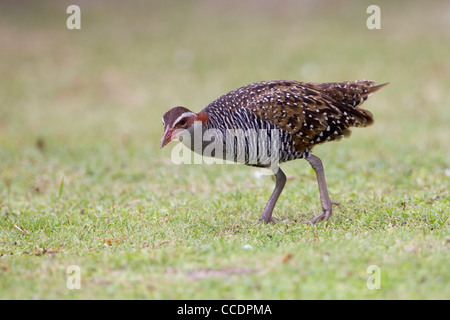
x,y
326,213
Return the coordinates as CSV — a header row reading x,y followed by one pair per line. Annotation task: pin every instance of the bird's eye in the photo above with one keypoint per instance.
x,y
182,122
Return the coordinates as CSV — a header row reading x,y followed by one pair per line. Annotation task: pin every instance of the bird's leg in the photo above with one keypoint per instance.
x,y
266,215
316,164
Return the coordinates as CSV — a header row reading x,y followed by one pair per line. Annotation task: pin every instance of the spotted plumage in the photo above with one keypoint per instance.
x,y
303,114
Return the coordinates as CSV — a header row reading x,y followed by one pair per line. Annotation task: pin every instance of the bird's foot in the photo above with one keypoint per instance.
x,y
267,220
326,213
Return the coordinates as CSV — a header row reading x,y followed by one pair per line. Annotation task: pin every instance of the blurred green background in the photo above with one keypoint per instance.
x,y
85,105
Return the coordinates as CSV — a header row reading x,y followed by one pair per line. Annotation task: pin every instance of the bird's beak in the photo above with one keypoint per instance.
x,y
166,138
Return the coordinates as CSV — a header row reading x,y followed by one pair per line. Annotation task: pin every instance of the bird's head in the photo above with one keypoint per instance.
x,y
179,121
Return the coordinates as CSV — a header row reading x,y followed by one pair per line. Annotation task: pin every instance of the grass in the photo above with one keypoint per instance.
x,y
83,181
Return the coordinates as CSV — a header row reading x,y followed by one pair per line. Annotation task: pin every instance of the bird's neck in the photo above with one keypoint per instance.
x,y
203,117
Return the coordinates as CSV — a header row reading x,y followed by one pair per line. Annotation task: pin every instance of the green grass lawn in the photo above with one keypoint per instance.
x,y
83,182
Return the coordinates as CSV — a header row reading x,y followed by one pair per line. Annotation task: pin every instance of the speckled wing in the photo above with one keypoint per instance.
x,y
311,113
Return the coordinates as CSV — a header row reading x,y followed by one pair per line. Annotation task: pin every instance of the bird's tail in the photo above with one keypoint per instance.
x,y
373,89
351,95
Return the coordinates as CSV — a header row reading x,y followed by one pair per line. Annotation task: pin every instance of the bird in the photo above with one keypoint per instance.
x,y
267,123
